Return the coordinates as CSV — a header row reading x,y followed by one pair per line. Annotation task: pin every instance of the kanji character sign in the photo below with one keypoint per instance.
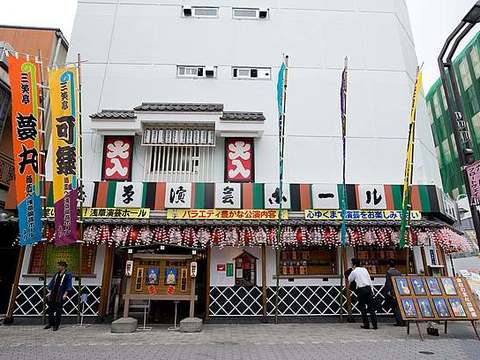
x,y
117,157
228,196
239,165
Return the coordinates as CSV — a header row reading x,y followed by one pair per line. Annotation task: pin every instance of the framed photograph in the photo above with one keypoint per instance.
x,y
441,307
402,286
448,286
425,307
457,307
409,309
418,286
171,276
434,286
152,276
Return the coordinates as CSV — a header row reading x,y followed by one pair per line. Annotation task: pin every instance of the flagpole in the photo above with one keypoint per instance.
x,y
43,190
79,190
343,105
281,147
408,177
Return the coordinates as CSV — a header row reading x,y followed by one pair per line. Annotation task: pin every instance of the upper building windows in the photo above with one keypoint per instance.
x,y
475,61
187,71
251,73
200,11
436,105
465,74
444,98
250,13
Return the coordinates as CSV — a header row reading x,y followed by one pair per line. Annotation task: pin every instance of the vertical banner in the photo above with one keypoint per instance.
x,y
343,109
407,181
26,135
64,107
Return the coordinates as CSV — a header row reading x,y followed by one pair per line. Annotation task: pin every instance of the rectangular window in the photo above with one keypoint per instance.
x,y
308,262
446,150
475,61
472,96
251,73
444,98
250,13
205,12
189,71
465,74
436,105
179,163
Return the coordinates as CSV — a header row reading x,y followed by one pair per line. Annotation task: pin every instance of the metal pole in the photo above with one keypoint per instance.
x,y
44,190
455,109
80,187
281,147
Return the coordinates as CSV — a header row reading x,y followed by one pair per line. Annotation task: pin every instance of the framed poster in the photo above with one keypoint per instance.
x,y
457,307
433,286
418,286
448,286
402,286
409,309
152,276
425,307
441,307
170,276
117,158
239,160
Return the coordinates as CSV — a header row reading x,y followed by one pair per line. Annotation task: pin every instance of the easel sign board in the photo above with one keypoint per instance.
x,y
429,298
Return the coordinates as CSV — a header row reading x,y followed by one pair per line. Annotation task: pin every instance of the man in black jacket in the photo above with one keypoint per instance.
x,y
59,287
389,293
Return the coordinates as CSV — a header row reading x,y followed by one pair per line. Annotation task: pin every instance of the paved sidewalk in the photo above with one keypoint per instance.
x,y
238,342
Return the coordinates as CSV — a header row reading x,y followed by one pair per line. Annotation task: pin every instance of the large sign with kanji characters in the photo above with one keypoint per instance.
x,y
64,107
117,158
26,138
239,164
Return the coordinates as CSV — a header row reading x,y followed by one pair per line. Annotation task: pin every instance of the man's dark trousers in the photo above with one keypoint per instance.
x,y
365,302
55,310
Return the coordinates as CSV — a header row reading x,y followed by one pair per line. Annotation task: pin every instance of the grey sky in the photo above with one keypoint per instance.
x,y
432,21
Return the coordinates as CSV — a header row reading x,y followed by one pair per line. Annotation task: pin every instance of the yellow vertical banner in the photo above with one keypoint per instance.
x,y
64,99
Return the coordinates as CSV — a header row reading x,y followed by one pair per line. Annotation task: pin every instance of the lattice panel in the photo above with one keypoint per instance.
x,y
29,301
235,301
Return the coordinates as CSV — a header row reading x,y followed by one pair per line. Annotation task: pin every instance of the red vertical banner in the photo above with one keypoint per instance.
x,y
117,158
239,160
26,137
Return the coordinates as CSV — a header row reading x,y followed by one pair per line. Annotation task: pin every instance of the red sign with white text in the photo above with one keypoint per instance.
x,y
239,164
117,158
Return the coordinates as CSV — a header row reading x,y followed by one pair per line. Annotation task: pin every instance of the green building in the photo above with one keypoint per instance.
x,y
467,67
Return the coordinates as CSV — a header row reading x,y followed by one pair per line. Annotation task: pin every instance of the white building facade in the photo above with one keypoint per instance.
x,y
180,118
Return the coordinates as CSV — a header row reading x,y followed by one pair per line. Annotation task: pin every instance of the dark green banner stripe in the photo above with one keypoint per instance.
x,y
111,191
295,197
149,193
199,196
258,198
424,199
397,192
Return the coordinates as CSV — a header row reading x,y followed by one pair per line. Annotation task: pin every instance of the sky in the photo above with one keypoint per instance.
x,y
431,20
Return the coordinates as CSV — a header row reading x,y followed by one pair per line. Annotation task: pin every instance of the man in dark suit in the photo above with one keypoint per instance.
x,y
59,287
390,294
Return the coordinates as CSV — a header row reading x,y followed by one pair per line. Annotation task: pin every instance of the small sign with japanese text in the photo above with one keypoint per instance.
x,y
376,215
215,214
123,213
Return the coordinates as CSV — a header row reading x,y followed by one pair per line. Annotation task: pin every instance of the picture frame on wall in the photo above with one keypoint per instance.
x,y
425,307
434,286
441,307
448,286
457,307
152,276
409,308
418,286
171,276
402,286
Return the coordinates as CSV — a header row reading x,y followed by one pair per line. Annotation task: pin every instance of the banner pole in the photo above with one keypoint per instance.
x,y
43,190
80,189
281,147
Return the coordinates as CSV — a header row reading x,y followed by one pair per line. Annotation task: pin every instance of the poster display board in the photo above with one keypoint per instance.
x,y
69,254
429,298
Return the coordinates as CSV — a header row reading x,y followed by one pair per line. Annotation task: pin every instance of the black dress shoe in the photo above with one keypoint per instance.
x,y
365,327
374,327
48,326
55,328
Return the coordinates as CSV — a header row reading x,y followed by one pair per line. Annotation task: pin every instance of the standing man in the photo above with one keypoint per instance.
x,y
59,287
364,291
389,293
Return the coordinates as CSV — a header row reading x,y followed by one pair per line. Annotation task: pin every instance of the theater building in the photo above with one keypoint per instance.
x,y
180,149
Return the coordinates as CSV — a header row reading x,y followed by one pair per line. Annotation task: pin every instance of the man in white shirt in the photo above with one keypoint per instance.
x,y
364,291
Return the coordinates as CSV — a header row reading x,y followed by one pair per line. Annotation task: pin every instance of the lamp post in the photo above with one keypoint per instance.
x,y
461,132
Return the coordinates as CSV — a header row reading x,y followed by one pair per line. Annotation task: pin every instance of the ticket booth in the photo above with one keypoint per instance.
x,y
161,278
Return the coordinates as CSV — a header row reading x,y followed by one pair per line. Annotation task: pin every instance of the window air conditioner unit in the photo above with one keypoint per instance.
x,y
210,72
187,11
263,13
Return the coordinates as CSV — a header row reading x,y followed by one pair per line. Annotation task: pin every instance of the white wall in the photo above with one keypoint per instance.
x,y
133,47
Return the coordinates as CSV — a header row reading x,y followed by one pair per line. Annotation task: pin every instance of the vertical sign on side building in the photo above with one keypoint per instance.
x,y
24,75
64,107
